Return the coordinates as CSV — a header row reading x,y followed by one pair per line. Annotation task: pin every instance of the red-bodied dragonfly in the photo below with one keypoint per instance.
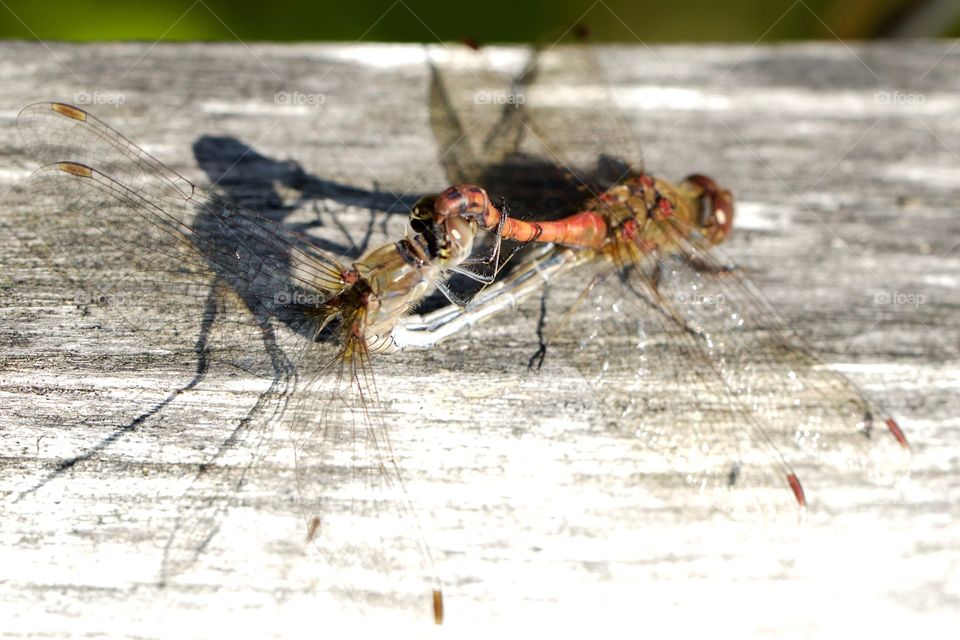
x,y
662,313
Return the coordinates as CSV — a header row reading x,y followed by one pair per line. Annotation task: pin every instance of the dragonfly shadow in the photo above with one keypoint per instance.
x,y
277,188
233,243
68,464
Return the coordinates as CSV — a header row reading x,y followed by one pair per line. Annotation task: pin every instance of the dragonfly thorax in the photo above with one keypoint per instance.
x,y
653,214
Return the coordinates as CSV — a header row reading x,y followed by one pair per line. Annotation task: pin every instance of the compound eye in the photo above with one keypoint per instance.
x,y
419,225
423,210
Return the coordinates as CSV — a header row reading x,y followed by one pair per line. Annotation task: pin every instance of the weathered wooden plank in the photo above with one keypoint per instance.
x,y
844,163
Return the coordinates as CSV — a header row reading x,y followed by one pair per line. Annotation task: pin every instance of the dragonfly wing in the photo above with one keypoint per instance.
x,y
480,120
462,114
572,116
220,479
661,393
191,274
356,510
160,252
805,403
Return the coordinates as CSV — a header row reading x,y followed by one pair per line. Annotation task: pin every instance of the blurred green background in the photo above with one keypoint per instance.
x,y
484,21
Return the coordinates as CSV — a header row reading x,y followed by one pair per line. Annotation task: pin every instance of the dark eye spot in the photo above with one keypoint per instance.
x,y
706,210
419,225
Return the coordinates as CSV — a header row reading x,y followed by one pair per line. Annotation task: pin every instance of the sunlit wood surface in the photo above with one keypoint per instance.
x,y
845,162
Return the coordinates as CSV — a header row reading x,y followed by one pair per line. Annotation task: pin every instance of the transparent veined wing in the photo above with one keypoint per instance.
x,y
158,250
194,274
481,122
357,512
659,390
804,403
572,117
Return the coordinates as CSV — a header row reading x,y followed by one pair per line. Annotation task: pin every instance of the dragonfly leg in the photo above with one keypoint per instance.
x,y
655,278
541,352
536,360
454,298
491,258
700,265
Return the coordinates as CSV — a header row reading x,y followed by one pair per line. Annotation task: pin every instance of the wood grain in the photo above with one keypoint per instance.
x,y
844,160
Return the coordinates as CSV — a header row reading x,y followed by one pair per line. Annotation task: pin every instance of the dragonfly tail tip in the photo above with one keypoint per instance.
x,y
897,433
797,489
437,606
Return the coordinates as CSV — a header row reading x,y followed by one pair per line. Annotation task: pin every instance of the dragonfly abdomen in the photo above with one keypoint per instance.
x,y
623,213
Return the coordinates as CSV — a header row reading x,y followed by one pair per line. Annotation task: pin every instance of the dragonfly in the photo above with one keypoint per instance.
x,y
661,304
263,299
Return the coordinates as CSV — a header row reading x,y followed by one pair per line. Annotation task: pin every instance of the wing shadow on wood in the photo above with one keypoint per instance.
x,y
254,180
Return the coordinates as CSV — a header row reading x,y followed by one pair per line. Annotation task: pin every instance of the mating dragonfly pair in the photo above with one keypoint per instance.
x,y
661,303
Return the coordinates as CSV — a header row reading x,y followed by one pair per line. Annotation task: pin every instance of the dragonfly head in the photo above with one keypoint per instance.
x,y
715,217
447,241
